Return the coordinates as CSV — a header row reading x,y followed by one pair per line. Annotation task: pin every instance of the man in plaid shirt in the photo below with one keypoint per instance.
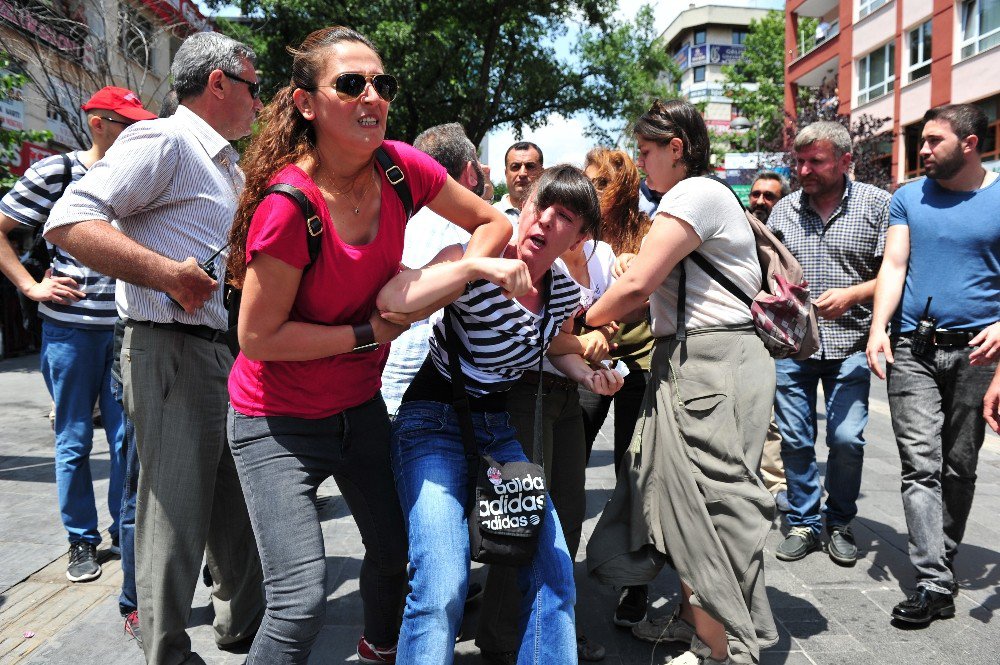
x,y
836,228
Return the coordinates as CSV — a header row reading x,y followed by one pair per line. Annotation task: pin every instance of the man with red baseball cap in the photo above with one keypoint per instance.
x,y
76,306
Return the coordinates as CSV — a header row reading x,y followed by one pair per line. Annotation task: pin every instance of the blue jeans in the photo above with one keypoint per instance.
x,y
845,384
76,364
129,457
428,460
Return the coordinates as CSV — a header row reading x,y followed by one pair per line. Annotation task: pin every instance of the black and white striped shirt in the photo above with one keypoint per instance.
x,y
29,203
499,338
171,184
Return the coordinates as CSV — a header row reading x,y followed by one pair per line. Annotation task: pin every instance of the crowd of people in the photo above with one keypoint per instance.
x,y
232,318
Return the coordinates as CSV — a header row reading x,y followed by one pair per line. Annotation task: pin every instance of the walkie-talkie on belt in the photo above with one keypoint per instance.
x,y
923,335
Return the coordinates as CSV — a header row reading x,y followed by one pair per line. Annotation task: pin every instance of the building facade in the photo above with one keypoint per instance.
x,y
702,39
895,59
71,48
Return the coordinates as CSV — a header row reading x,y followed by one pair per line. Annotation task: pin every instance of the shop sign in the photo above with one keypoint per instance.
x,y
26,156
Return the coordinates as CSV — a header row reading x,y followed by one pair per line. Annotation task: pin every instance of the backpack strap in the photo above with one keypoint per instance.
x,y
67,177
314,225
712,271
396,178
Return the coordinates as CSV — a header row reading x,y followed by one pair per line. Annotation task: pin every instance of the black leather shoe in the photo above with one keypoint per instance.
x,y
924,606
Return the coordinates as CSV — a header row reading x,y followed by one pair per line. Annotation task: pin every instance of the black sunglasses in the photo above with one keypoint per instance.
x,y
352,85
116,121
252,87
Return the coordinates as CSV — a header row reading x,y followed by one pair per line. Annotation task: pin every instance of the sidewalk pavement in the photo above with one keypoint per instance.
x,y
826,614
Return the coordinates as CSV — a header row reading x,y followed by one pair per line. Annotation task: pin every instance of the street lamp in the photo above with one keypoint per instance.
x,y
741,123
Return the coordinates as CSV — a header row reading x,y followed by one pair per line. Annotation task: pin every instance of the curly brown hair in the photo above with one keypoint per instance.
x,y
286,137
623,225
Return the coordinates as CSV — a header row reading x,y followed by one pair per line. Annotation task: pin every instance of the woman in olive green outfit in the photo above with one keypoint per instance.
x,y
689,493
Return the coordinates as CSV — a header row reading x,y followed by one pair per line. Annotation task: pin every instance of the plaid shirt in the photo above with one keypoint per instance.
x,y
845,251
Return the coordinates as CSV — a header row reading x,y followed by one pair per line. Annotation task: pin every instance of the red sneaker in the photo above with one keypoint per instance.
x,y
132,626
369,653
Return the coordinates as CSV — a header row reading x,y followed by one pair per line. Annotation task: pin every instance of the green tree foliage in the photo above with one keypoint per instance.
x,y
11,139
625,69
756,83
483,63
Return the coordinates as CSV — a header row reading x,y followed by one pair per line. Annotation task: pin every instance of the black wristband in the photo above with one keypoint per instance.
x,y
364,337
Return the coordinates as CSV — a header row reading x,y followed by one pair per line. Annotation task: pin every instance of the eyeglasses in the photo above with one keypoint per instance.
x,y
352,85
252,86
116,121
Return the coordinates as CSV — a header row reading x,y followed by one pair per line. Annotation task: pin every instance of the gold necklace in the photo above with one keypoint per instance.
x,y
348,191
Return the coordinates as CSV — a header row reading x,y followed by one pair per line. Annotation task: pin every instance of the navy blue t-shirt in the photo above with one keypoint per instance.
x,y
954,254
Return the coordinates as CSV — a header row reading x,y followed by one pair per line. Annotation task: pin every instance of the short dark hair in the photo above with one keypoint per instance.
x,y
524,145
965,120
448,145
777,177
567,186
677,119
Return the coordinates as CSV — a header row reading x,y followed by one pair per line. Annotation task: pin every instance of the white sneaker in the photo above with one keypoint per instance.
x,y
691,658
666,628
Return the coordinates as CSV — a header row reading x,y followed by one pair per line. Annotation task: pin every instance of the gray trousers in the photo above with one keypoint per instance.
x,y
189,493
936,405
564,449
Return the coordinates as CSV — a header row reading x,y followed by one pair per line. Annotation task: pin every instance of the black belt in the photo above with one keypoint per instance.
x,y
207,333
549,380
950,338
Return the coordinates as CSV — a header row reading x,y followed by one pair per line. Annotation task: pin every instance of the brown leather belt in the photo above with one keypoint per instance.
x,y
549,380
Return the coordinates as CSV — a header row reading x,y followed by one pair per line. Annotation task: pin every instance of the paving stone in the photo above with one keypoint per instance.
x,y
826,615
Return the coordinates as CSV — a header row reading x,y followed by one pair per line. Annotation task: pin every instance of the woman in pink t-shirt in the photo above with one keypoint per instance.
x,y
304,391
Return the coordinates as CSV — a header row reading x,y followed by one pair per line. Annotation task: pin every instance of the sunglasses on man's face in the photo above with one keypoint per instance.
x,y
252,86
352,85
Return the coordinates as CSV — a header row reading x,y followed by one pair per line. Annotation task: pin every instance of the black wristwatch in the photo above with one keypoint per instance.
x,y
364,338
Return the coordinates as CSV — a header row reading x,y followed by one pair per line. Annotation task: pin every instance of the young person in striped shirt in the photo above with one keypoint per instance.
x,y
76,305
505,321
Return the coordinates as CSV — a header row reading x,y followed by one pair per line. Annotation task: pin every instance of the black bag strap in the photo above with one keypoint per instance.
x,y
712,271
396,178
460,397
67,177
39,248
314,225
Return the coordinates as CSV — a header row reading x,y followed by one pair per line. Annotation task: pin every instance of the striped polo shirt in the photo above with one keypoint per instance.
x,y
29,203
500,339
171,185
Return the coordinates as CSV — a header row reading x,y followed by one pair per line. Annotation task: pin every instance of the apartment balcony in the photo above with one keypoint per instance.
x,y
813,8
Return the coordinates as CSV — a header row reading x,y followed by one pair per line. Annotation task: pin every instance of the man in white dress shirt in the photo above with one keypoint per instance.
x,y
172,185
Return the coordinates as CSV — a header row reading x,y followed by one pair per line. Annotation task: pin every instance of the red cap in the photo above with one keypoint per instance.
x,y
120,100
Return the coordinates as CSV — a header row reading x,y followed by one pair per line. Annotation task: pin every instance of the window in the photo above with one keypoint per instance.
x,y
991,142
739,36
866,7
876,73
920,52
699,37
699,74
911,137
135,34
980,26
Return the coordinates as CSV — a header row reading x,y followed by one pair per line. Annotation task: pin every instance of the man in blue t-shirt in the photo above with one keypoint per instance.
x,y
940,283
77,308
